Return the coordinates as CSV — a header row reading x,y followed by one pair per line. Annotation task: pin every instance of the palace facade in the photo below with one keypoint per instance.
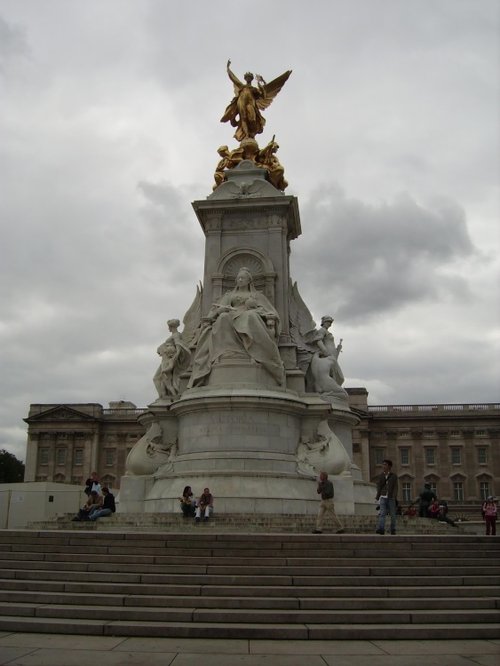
x,y
454,447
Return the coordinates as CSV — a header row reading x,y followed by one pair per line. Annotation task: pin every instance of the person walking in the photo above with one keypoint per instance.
x,y
489,511
387,494
325,489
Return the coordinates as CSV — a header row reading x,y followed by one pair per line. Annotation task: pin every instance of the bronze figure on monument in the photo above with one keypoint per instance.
x,y
244,110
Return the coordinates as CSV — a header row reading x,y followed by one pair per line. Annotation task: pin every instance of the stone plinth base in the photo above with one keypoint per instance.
x,y
242,444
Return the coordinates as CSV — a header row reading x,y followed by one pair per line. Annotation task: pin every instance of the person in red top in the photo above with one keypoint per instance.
x,y
433,509
489,510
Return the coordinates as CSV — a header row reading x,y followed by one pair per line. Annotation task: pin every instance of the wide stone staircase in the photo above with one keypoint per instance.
x,y
231,522
250,585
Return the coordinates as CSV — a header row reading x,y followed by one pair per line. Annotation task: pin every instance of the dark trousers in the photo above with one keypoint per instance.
x,y
491,525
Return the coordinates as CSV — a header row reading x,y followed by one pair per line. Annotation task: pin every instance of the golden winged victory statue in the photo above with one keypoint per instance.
x,y
244,110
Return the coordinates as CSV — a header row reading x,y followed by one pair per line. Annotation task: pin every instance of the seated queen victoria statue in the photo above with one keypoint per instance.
x,y
242,325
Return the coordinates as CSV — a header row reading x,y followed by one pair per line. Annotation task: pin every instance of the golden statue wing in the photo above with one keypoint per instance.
x,y
271,89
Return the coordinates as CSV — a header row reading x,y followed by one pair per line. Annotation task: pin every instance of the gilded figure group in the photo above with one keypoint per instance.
x,y
244,113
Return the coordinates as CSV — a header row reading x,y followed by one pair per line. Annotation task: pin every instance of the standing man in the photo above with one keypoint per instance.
x,y
325,489
387,494
425,499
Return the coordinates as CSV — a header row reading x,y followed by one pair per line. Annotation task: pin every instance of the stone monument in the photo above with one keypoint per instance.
x,y
250,399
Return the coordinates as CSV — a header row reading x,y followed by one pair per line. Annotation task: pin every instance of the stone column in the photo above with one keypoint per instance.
x,y
31,456
68,469
94,451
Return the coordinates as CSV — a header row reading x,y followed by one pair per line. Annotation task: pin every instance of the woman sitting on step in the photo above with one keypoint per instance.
x,y
188,503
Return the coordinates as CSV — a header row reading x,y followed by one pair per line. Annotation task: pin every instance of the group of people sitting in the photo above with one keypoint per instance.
x,y
194,508
430,507
100,501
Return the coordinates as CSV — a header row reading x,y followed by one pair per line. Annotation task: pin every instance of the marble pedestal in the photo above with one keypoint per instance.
x,y
242,444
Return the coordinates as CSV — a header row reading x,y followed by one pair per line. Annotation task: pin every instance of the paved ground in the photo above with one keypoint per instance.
x,y
19,649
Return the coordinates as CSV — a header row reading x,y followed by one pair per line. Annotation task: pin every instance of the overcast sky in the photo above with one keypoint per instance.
x,y
389,134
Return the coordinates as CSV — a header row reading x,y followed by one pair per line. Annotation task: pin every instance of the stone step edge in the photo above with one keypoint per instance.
x,y
43,609
239,616
120,599
247,630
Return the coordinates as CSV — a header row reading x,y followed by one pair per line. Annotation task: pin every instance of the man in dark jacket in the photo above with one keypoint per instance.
x,y
325,489
425,499
387,494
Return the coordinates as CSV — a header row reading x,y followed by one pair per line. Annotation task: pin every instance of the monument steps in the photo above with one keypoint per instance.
x,y
221,585
235,522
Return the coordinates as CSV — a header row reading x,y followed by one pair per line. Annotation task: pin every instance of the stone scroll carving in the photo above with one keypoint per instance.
x,y
324,453
150,452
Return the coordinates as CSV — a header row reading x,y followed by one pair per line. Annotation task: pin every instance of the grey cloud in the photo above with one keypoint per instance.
x,y
370,259
12,42
170,219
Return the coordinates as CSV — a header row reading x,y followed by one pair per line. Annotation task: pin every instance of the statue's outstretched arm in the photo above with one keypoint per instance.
x,y
237,83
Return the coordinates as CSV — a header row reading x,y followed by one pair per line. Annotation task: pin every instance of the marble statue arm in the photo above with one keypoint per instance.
x,y
321,346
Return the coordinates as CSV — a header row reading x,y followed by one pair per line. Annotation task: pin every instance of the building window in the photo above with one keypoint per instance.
x,y
428,434
458,491
456,455
480,433
404,434
455,433
404,456
433,485
110,457
108,480
484,489
430,456
379,456
61,457
44,456
482,455
78,459
407,492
